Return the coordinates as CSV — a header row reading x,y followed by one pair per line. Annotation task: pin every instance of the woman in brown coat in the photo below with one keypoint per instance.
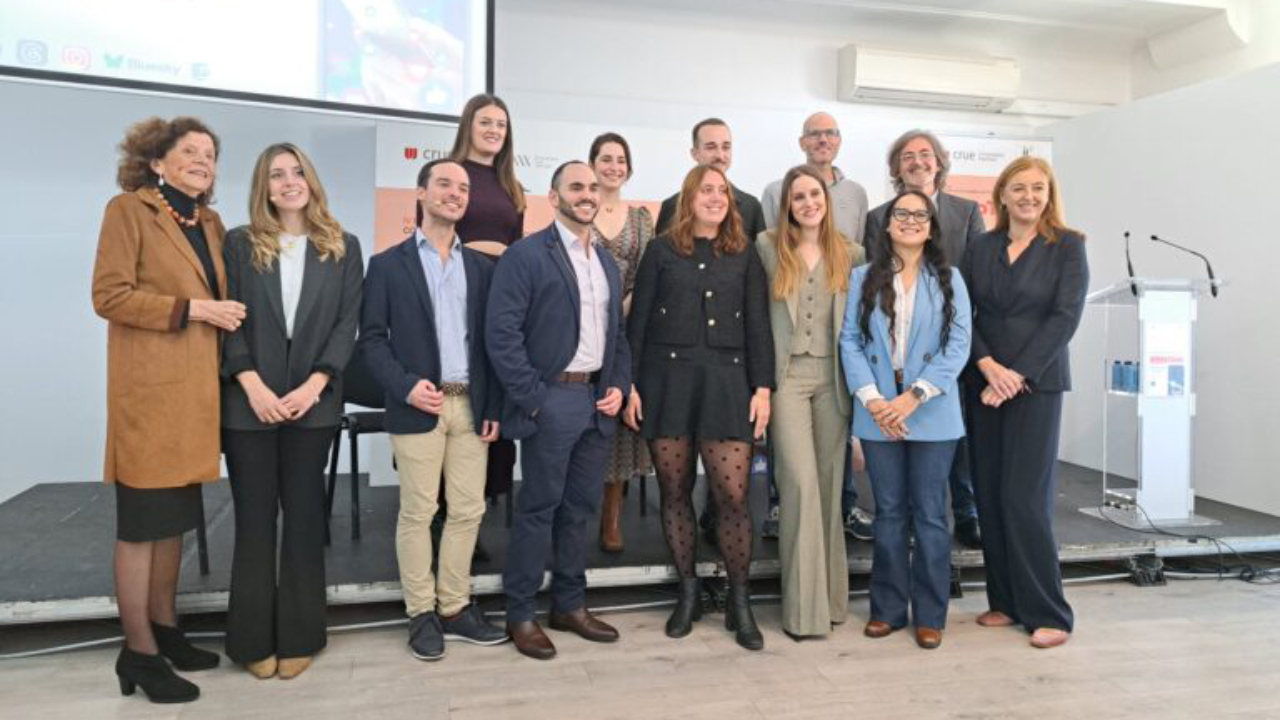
x,y
159,282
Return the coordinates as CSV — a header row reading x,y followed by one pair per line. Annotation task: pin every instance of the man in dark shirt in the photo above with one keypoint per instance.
x,y
713,145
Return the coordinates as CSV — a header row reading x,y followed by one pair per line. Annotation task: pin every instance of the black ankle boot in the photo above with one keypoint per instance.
x,y
688,608
184,656
154,676
738,618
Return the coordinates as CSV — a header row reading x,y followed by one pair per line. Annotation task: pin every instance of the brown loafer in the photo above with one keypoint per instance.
x,y
994,618
583,624
293,667
1045,638
877,629
530,640
928,638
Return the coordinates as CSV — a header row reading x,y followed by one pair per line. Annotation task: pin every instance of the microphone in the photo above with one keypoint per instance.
x,y
1213,284
1133,286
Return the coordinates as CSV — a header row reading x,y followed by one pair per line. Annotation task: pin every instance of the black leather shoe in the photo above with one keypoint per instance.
x,y
688,608
582,623
529,639
184,656
738,618
154,676
968,533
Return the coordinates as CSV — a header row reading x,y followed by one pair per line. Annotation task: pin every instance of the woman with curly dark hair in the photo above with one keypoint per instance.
x,y
904,342
159,282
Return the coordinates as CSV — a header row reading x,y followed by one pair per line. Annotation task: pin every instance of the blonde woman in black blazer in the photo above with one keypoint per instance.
x,y
299,276
1027,281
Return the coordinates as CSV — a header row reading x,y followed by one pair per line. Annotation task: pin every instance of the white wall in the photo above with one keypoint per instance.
x,y
1196,165
1262,20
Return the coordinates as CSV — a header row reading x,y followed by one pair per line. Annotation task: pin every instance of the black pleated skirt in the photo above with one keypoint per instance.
x,y
694,392
144,515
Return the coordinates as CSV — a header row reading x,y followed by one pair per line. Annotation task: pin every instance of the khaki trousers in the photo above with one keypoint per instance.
x,y
810,437
454,449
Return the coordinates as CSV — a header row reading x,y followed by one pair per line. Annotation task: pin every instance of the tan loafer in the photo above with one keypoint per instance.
x,y
994,618
928,638
262,669
291,668
1045,638
877,629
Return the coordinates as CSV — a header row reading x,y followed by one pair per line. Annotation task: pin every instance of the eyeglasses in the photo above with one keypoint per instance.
x,y
828,133
923,156
901,215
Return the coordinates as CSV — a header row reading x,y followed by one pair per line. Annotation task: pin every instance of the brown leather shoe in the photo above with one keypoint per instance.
x,y
994,618
583,624
611,517
928,638
530,640
293,667
877,629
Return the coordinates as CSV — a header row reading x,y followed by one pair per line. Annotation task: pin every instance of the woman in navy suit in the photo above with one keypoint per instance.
x,y
1028,278
904,342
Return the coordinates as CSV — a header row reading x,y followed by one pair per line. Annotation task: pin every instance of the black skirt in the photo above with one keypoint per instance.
x,y
695,392
157,514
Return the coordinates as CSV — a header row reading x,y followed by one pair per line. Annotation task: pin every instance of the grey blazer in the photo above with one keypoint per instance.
x,y
782,317
324,330
960,220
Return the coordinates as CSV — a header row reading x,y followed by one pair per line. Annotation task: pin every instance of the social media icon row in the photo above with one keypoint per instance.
x,y
36,54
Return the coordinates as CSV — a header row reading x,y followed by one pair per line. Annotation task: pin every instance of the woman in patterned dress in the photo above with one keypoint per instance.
x,y
624,230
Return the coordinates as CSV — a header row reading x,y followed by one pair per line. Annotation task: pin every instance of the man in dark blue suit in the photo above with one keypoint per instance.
x,y
556,340
422,337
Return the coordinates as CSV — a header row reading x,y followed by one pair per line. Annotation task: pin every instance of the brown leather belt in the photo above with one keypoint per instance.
x,y
578,377
454,389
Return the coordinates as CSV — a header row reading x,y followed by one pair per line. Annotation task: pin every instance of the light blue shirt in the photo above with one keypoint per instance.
x,y
447,282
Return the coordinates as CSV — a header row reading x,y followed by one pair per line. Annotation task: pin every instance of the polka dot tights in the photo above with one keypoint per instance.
x,y
728,466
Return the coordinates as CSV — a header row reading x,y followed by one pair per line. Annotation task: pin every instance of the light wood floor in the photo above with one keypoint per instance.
x,y
1194,649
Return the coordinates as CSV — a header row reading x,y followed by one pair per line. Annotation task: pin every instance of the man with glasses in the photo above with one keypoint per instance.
x,y
820,142
919,162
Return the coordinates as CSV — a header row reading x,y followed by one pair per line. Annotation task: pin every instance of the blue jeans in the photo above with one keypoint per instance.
x,y
909,482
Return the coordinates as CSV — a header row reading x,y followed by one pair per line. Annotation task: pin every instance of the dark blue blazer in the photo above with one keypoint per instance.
x,y
1027,323
399,341
533,325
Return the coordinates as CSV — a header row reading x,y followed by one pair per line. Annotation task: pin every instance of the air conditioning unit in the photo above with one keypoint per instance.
x,y
896,77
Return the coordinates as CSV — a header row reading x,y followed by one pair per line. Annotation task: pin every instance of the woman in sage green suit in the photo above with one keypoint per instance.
x,y
808,264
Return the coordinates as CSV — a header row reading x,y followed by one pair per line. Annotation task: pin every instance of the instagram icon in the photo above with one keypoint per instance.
x,y
76,58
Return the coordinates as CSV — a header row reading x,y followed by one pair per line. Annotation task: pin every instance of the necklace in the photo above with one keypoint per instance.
x,y
182,221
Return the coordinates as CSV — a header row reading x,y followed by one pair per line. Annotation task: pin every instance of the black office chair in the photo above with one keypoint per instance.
x,y
358,388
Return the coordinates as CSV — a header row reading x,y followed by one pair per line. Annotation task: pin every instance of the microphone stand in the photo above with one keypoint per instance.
x,y
1213,283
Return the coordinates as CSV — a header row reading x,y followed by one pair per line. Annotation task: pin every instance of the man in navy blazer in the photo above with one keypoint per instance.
x,y
422,337
919,162
556,339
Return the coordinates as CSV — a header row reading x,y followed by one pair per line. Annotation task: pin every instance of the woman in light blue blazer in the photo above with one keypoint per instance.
x,y
904,341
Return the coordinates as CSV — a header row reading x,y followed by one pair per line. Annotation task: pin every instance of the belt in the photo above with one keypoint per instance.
x,y
453,389
581,378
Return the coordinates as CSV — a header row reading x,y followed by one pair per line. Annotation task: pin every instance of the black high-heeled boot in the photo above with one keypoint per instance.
x,y
738,618
184,656
154,676
688,608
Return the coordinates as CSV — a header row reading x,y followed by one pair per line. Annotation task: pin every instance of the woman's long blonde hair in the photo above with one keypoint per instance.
x,y
834,246
1050,225
323,231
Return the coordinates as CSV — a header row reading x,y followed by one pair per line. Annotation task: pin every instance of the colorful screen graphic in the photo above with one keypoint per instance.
x,y
417,56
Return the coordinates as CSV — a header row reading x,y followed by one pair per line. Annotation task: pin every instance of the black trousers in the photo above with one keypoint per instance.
x,y
277,608
1015,463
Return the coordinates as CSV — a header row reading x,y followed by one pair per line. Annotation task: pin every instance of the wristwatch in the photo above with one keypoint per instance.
x,y
919,393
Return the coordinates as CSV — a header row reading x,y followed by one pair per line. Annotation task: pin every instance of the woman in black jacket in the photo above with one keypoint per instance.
x,y
1027,281
299,276
703,362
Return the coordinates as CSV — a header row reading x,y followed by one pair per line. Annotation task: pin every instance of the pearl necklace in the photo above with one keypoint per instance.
x,y
182,221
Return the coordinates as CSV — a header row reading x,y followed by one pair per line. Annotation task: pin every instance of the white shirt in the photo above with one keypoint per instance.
x,y
593,293
904,305
292,263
